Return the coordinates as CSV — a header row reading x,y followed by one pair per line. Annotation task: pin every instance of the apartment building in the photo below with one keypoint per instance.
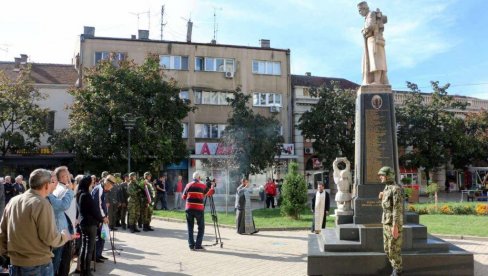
x,y
207,73
53,81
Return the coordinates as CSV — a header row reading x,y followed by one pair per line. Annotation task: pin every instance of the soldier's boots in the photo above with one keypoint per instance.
x,y
147,228
133,228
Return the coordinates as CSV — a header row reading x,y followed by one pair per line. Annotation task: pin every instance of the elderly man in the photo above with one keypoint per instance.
x,y
98,194
63,204
29,228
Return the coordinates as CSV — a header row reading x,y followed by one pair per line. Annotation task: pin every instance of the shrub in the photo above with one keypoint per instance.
x,y
481,209
411,208
446,209
460,209
294,197
422,210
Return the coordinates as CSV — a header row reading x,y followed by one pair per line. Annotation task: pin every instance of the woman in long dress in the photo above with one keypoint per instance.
x,y
244,219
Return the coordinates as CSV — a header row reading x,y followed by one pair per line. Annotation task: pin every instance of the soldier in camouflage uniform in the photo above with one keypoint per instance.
x,y
134,202
392,219
114,203
147,200
123,197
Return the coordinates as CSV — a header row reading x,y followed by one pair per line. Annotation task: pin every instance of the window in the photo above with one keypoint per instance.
x,y
211,97
105,55
50,122
184,95
266,99
211,64
184,134
209,130
173,62
266,67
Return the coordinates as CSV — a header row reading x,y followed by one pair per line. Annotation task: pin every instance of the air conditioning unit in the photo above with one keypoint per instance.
x,y
229,74
308,150
275,109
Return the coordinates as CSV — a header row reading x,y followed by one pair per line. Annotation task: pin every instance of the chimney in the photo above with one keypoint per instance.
x,y
265,43
133,37
17,64
143,34
88,32
188,30
23,59
308,74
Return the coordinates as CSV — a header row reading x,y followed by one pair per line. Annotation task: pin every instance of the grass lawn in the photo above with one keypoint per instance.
x,y
466,225
264,218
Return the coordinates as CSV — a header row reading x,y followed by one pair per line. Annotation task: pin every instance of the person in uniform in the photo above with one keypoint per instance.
x,y
146,224
146,201
392,219
134,202
123,198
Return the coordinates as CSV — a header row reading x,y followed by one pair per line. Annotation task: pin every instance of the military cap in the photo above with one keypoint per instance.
x,y
104,174
146,174
386,171
132,174
117,174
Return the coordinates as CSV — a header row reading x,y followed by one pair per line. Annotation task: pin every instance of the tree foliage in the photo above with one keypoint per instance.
x,y
22,120
115,92
429,126
330,123
294,193
254,138
471,144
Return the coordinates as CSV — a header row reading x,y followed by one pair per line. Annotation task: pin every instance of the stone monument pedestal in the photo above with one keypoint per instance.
x,y
355,246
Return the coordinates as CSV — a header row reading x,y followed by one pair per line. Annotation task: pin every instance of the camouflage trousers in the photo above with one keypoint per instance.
x,y
134,209
393,247
146,213
113,214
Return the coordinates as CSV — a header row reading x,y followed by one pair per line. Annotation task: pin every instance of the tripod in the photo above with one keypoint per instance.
x,y
213,213
112,244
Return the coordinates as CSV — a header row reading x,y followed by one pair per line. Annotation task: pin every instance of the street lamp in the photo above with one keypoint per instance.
x,y
129,123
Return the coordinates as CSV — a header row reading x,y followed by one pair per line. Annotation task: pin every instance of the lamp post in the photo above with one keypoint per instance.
x,y
129,123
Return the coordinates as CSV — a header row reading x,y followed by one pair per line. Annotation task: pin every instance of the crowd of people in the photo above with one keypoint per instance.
x,y
62,217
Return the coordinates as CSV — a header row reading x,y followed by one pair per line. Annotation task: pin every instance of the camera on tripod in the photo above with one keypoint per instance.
x,y
209,182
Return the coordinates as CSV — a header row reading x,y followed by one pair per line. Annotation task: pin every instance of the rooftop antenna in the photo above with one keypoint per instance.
x,y
162,21
138,15
216,27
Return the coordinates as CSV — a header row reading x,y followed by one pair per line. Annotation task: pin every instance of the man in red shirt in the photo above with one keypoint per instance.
x,y
178,190
270,190
194,194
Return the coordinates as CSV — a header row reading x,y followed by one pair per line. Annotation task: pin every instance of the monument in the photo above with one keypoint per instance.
x,y
355,246
343,180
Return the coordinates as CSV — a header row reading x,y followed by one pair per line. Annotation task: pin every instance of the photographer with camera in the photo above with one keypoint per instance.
x,y
194,194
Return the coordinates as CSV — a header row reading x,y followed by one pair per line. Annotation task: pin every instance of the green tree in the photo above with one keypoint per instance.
x,y
330,123
429,126
294,193
114,92
254,138
23,122
471,142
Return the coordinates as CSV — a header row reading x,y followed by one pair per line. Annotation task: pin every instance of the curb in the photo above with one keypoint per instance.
x,y
460,237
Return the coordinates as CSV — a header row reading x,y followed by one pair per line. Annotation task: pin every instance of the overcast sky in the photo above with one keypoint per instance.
x,y
444,40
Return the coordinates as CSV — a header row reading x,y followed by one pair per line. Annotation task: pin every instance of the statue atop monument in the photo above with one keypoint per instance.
x,y
374,58
342,179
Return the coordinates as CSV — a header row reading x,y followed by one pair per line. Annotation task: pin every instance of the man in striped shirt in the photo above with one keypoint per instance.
x,y
194,194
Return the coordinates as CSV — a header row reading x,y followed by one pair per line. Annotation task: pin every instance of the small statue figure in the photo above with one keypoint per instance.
x,y
343,180
374,58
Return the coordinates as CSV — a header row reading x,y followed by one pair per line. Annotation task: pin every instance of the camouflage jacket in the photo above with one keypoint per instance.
x,y
392,204
134,191
112,195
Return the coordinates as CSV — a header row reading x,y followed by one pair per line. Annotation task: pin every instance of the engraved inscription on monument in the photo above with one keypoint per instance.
x,y
379,146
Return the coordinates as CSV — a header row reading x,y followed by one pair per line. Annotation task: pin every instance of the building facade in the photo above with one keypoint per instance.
x,y
206,73
53,81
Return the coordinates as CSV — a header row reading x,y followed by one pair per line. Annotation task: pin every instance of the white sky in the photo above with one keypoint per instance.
x,y
427,40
